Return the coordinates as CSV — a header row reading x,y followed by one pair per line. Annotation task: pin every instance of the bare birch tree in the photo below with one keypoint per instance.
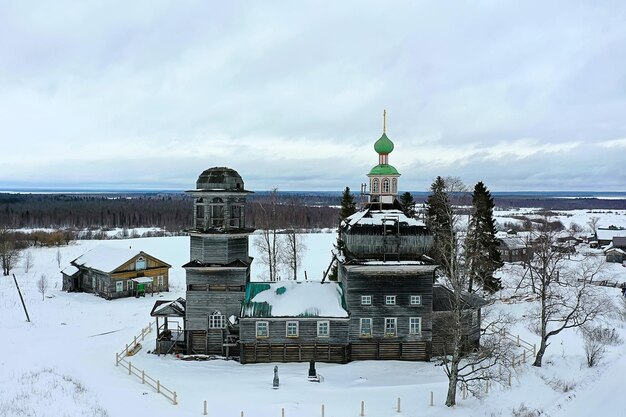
x,y
42,285
567,298
28,262
292,248
267,242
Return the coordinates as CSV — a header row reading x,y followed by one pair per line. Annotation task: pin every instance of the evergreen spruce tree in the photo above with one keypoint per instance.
x,y
408,204
348,206
439,221
482,245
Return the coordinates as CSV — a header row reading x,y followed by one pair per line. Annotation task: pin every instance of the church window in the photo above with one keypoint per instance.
x,y
386,185
366,327
217,212
217,321
323,328
415,325
375,185
394,185
292,329
262,330
391,327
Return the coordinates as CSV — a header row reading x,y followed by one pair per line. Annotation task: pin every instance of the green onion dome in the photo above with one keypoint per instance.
x,y
384,145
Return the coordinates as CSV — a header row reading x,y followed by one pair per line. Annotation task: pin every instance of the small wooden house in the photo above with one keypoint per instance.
x,y
114,273
513,249
170,335
293,322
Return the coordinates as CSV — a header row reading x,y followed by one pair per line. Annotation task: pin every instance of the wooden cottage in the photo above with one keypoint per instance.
x,y
513,249
114,273
294,322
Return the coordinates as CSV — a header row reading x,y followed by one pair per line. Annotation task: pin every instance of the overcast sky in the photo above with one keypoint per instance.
x,y
525,95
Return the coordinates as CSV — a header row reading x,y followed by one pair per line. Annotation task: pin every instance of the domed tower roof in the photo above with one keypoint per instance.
x,y
220,178
384,145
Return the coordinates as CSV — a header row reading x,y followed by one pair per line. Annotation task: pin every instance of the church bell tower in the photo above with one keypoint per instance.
x,y
383,178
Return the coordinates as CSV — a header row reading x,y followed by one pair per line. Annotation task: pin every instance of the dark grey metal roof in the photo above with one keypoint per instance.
x,y
442,299
220,178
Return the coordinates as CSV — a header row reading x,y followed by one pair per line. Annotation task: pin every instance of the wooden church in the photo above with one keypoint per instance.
x,y
384,305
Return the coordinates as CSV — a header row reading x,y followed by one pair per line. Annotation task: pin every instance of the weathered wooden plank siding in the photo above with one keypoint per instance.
x,y
369,242
219,249
213,290
338,334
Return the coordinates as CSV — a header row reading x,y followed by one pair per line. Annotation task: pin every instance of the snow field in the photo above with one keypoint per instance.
x,y
63,363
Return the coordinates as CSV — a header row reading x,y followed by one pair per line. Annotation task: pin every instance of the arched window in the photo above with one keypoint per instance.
x,y
217,212
140,263
386,185
375,185
394,185
200,208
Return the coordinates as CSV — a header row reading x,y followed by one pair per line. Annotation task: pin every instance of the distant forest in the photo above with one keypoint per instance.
x,y
173,211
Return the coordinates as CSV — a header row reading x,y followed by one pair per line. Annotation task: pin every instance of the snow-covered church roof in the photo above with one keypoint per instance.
x,y
294,299
373,217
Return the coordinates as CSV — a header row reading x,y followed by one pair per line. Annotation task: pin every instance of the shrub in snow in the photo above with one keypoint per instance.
x,y
524,411
595,341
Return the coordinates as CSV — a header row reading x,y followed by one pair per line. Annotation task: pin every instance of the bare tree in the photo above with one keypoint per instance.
x,y
593,225
596,339
28,262
59,258
42,285
567,299
267,242
9,250
460,365
292,247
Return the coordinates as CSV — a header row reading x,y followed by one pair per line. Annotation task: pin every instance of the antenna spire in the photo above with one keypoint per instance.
x,y
384,121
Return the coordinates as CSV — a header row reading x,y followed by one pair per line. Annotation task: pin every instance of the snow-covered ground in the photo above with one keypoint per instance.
x,y
63,362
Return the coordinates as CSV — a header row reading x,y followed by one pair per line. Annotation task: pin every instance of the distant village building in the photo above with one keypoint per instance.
x,y
114,273
384,306
616,250
513,248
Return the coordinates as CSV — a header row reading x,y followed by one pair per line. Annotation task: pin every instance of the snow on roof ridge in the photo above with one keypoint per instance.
x,y
105,258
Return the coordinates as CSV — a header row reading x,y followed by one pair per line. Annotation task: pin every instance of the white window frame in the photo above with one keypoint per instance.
x,y
137,263
393,320
320,325
361,332
160,280
390,300
375,185
260,334
217,321
385,186
119,286
297,328
366,300
415,325
416,300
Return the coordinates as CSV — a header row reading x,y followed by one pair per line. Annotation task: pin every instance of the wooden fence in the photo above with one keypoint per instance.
x,y
120,360
528,350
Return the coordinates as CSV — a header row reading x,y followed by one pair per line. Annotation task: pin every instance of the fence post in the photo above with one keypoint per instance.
x,y
143,377
534,349
158,386
135,341
513,360
129,367
204,408
398,405
517,340
282,412
322,410
175,402
431,399
487,387
126,352
362,408
509,380
117,359
524,356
